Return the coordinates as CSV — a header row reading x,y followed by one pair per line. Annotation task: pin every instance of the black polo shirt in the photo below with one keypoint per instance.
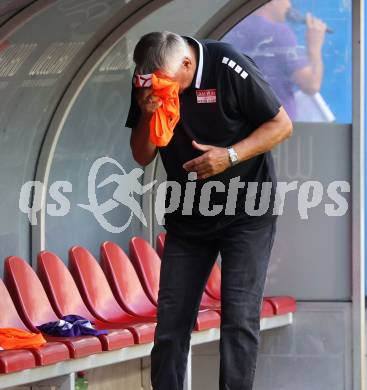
x,y
227,100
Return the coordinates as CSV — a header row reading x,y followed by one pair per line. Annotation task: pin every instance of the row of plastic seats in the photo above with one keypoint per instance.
x,y
120,295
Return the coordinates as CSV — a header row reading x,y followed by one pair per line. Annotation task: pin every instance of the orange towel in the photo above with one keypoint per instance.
x,y
12,338
167,115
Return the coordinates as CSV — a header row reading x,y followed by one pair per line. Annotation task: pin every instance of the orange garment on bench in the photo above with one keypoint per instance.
x,y
12,338
167,115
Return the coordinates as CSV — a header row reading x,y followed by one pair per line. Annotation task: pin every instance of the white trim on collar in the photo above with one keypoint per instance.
x,y
199,74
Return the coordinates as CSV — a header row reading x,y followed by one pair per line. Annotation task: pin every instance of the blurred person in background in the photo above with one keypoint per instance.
x,y
269,40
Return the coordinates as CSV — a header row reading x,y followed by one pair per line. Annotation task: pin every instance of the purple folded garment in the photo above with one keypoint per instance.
x,y
70,325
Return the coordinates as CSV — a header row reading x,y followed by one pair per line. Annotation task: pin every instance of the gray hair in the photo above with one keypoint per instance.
x,y
163,51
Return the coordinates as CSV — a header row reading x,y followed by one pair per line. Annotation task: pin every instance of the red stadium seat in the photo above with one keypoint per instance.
x,y
159,244
16,360
147,264
212,288
283,304
99,298
49,353
266,309
66,299
35,309
207,302
125,282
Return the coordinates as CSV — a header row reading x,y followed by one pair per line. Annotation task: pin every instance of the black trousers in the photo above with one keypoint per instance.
x,y
245,246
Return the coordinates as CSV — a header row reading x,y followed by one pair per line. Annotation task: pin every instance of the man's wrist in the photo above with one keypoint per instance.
x,y
315,54
232,156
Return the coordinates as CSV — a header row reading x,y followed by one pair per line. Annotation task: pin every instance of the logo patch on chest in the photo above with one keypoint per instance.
x,y
206,95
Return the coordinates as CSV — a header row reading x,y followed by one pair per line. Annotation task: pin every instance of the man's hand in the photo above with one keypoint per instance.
x,y
147,102
214,160
309,78
142,148
315,35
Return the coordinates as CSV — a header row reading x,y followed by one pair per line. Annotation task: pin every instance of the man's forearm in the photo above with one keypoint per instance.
x,y
215,159
264,138
317,66
143,149
309,78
